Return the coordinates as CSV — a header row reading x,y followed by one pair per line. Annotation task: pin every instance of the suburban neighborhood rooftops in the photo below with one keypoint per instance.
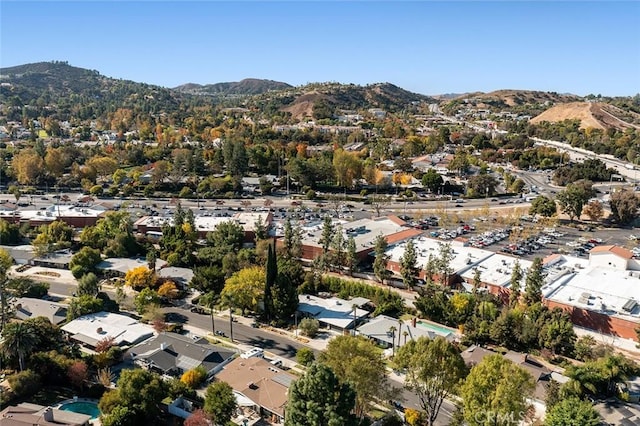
x,y
27,414
333,311
27,307
92,328
124,264
260,381
380,327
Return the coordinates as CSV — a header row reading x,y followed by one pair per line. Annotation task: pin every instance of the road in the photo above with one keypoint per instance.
x,y
279,345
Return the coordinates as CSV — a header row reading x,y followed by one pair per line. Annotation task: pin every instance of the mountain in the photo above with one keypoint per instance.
x,y
599,115
248,86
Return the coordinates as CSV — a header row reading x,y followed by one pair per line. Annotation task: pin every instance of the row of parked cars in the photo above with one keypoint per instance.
x,y
489,237
534,243
582,245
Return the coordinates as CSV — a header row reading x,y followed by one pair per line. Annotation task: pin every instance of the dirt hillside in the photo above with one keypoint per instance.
x,y
591,114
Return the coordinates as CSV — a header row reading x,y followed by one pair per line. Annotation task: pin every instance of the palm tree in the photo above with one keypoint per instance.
x,y
405,334
209,300
18,340
392,331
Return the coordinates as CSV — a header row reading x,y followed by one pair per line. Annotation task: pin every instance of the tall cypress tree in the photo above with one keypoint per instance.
x,y
272,275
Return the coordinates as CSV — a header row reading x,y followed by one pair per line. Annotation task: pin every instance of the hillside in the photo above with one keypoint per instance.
x,y
332,97
80,92
248,86
597,115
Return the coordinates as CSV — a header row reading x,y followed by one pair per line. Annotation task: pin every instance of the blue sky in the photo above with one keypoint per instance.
x,y
423,46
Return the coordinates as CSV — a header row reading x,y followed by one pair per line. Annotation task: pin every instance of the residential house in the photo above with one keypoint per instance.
x,y
259,385
89,330
333,313
27,414
27,308
387,331
172,354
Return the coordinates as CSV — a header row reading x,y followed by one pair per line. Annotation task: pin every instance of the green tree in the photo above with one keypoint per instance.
x,y
351,256
271,275
573,199
358,361
433,371
318,398
227,237
219,402
292,240
460,162
88,285
84,305
9,233
624,206
140,393
305,356
309,327
381,259
285,290
52,237
572,412
19,340
6,309
495,392
482,185
432,180
146,299
84,261
543,206
515,285
409,265
534,282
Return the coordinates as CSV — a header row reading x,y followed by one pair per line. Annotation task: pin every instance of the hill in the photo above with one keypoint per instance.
x,y
84,93
248,86
597,115
320,100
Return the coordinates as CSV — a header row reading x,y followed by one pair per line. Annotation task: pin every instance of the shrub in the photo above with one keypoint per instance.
x,y
309,327
194,378
305,356
25,383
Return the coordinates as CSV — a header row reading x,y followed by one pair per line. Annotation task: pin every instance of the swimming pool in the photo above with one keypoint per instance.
x,y
437,328
82,407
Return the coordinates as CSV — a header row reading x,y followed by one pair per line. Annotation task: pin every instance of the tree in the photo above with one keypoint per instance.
x,y
292,240
19,340
347,166
246,288
409,265
543,206
194,377
443,263
55,236
318,398
54,161
594,210
433,371
138,394
495,392
169,290
139,278
305,356
515,285
309,327
624,205
573,199
198,418
84,261
27,166
534,282
432,180
285,291
78,374
482,185
460,162
84,305
9,233
271,277
379,202
572,412
88,285
146,298
227,237
351,256
358,361
219,402
6,310
381,259
326,237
